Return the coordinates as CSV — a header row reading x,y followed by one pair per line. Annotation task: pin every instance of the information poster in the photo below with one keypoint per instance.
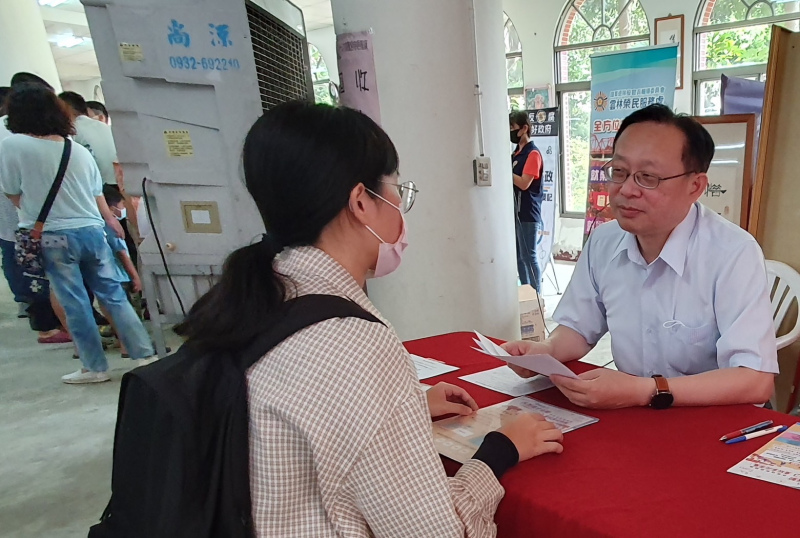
x,y
545,130
622,82
358,85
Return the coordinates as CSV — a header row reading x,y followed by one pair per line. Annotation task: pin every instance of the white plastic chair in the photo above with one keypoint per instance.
x,y
787,290
785,282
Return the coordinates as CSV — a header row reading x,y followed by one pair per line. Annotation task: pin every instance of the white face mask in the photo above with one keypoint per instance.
x,y
390,255
123,213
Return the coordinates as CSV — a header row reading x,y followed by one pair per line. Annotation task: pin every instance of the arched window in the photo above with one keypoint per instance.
x,y
587,27
732,38
514,77
319,76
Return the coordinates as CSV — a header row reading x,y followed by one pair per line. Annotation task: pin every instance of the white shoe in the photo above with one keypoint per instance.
x,y
81,378
145,362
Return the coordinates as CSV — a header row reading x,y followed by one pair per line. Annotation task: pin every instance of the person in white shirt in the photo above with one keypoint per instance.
x,y
96,137
682,291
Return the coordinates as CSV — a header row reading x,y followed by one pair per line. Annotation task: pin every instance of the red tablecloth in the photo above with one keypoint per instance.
x,y
636,473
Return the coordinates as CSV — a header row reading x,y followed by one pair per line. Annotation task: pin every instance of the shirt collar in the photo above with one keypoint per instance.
x,y
674,251
312,265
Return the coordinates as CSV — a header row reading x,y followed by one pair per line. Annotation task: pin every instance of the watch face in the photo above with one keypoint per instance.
x,y
662,400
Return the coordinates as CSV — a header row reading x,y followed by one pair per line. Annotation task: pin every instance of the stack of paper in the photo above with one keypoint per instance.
x,y
459,437
427,368
505,381
778,461
546,365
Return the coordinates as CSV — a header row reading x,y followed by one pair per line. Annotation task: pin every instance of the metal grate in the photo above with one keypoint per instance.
x,y
281,59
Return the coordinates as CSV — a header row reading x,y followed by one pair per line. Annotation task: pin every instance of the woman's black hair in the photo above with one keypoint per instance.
x,y
520,118
301,162
34,110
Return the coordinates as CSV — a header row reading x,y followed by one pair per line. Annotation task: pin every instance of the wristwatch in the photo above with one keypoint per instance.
x,y
662,399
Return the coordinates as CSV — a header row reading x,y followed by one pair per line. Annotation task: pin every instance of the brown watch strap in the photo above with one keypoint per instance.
x,y
661,384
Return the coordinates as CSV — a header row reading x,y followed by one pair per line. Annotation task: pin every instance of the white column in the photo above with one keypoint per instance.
x,y
23,42
459,272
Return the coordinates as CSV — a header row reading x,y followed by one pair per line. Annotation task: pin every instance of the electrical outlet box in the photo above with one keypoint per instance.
x,y
482,168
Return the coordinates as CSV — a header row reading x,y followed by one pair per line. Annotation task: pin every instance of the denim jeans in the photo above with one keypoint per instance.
x,y
72,256
527,260
13,272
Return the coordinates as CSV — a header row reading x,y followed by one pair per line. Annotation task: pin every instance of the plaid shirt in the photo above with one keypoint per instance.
x,y
340,432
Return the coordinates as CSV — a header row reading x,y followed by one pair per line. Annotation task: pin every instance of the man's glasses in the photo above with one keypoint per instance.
x,y
643,179
408,194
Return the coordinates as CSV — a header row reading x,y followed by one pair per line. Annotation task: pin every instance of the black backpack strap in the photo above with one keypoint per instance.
x,y
51,195
297,314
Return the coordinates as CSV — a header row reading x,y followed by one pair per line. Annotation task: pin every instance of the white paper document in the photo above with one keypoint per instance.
x,y
504,380
541,364
430,368
459,437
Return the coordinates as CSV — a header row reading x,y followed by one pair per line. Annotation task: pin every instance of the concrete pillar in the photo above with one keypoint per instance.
x,y
459,272
23,42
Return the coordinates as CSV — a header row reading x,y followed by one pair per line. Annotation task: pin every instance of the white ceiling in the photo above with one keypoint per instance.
x,y
79,62
317,13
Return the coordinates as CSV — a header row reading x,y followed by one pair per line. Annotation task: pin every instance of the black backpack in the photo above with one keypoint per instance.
x,y
181,447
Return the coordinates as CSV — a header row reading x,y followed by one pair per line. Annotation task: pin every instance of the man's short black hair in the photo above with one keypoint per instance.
x,y
698,150
98,107
112,195
520,118
3,94
75,101
29,78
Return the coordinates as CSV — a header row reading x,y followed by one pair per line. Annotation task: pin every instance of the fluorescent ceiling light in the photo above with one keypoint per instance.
x,y
52,3
725,162
67,41
731,146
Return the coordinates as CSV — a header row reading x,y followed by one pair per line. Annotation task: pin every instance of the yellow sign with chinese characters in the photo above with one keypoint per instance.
x,y
179,143
131,52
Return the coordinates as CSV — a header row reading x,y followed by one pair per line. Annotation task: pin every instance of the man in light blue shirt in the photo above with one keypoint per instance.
x,y
683,292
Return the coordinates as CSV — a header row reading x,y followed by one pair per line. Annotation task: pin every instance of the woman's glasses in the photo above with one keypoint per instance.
x,y
408,194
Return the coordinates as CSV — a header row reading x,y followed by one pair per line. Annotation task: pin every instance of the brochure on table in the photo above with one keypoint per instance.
x,y
778,461
459,437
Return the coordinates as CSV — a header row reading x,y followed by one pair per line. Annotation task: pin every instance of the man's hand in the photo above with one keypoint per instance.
x,y
523,347
606,389
446,399
136,283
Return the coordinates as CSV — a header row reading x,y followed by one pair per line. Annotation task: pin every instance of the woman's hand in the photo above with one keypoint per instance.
x,y
446,399
533,435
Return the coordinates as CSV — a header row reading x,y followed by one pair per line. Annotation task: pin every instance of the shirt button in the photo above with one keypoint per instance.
x,y
649,331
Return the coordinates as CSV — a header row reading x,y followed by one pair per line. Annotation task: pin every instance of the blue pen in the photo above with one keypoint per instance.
x,y
776,429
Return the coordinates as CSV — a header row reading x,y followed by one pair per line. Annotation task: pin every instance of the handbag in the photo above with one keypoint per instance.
x,y
28,247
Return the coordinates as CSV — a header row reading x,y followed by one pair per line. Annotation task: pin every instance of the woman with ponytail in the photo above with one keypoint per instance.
x,y
340,430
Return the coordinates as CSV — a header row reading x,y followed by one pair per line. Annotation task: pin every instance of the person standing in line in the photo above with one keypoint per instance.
x,y
527,169
74,247
8,226
34,306
96,136
98,111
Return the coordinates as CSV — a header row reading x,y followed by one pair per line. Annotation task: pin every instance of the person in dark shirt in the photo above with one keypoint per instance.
x,y
527,167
